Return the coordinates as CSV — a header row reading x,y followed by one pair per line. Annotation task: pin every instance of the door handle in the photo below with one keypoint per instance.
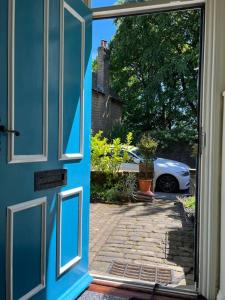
x,y
5,130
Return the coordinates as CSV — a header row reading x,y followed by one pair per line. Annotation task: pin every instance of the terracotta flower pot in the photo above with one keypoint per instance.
x,y
145,185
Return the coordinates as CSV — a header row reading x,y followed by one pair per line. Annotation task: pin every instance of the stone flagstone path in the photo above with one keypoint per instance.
x,y
153,234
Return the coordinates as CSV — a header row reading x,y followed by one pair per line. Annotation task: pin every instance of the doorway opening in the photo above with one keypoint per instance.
x,y
146,90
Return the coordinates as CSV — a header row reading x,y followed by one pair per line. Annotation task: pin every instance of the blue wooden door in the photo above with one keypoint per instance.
x,y
45,95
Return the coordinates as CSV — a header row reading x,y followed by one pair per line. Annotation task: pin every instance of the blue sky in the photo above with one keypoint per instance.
x,y
98,3
102,29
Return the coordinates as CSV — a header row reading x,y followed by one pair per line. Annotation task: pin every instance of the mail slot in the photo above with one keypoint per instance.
x,y
49,179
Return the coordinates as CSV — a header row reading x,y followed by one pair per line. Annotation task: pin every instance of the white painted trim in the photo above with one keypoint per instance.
x,y
73,12
11,210
12,158
143,8
72,156
75,260
210,190
27,158
221,294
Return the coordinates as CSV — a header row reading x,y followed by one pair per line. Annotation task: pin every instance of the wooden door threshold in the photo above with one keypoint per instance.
x,y
122,291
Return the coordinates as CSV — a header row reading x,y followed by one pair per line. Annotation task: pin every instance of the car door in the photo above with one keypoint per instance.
x,y
45,99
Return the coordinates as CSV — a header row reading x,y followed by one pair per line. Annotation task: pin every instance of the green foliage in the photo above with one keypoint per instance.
x,y
97,191
168,138
113,194
128,185
147,147
157,79
195,150
121,130
94,65
107,157
190,202
118,190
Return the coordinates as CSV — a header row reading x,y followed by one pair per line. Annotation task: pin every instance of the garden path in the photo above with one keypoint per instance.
x,y
143,233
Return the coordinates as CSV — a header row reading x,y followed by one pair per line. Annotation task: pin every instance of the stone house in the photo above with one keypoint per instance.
x,y
106,107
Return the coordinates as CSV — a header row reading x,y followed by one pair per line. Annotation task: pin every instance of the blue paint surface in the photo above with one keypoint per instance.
x,y
72,83
70,229
17,180
27,254
29,48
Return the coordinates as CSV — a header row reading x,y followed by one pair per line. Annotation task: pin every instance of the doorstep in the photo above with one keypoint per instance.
x,y
108,292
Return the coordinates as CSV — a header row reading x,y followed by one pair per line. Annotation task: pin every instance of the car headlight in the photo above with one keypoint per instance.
x,y
185,173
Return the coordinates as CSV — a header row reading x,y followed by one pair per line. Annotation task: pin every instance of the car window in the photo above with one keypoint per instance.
x,y
136,152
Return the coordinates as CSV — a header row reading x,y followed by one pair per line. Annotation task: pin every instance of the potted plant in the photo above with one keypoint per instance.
x,y
147,148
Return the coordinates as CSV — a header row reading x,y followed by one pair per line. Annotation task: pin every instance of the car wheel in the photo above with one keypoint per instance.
x,y
167,184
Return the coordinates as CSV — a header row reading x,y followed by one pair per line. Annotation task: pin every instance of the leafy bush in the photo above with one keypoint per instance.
x,y
117,190
107,157
113,194
147,147
120,130
190,202
128,187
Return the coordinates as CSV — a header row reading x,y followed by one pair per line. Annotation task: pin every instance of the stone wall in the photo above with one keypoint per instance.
x,y
105,112
106,107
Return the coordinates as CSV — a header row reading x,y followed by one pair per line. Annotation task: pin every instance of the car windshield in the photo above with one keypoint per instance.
x,y
137,153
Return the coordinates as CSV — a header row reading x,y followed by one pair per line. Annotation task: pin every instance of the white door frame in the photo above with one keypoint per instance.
x,y
213,85
210,191
221,294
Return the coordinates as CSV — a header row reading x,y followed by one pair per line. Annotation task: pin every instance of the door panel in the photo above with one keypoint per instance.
x,y
44,247
69,236
71,86
28,80
71,83
29,257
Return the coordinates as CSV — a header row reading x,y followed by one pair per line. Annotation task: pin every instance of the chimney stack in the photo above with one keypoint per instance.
x,y
104,44
103,67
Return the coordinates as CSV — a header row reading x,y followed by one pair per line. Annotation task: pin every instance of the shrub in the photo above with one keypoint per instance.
x,y
128,185
107,185
118,190
190,202
147,147
112,194
107,157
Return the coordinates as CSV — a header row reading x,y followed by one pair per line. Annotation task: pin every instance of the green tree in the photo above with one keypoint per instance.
x,y
94,65
154,66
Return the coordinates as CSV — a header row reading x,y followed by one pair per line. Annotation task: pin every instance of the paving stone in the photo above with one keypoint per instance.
x,y
150,234
114,254
132,256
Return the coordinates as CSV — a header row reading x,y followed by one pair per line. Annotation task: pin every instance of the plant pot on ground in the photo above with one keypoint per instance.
x,y
147,148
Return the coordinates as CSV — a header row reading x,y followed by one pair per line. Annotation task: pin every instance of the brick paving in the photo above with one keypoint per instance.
x,y
151,234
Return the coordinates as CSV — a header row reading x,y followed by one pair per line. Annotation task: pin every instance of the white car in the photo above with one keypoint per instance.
x,y
170,176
